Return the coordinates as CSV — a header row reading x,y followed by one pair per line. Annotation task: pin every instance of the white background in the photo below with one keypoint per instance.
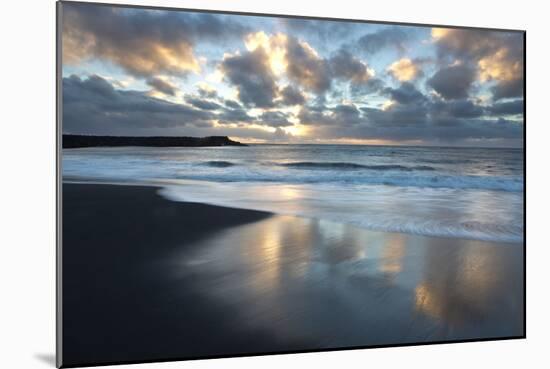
x,y
27,144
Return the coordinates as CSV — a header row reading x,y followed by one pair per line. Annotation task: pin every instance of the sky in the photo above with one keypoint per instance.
x,y
142,72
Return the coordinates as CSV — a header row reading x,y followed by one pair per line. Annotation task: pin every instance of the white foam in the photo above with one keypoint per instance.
x,y
489,216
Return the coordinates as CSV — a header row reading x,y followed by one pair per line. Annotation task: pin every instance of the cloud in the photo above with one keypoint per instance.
x,y
322,31
387,37
398,115
404,70
453,82
347,67
274,47
274,119
306,67
372,86
94,106
251,73
207,92
462,132
161,86
508,89
407,93
497,56
283,57
415,117
320,75
316,116
202,103
514,107
292,96
232,104
339,115
234,115
449,111
145,43
412,123
346,114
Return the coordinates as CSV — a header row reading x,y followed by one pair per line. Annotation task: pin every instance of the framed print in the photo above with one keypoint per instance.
x,y
238,184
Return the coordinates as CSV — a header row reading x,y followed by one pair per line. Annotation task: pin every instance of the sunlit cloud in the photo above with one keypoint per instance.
x,y
438,33
500,67
404,69
275,47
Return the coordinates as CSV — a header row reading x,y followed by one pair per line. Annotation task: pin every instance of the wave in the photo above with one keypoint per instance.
x,y
219,164
420,213
468,230
352,166
444,161
435,181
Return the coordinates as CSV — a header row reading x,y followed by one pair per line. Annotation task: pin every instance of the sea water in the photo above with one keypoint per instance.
x,y
474,193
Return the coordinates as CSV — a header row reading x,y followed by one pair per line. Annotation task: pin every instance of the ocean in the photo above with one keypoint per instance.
x,y
473,193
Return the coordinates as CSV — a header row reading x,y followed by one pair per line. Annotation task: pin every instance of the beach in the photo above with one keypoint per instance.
x,y
147,278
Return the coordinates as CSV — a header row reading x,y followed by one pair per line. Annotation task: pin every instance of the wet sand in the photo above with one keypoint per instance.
x,y
146,278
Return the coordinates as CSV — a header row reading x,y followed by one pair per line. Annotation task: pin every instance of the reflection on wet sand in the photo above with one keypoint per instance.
x,y
475,285
333,284
392,254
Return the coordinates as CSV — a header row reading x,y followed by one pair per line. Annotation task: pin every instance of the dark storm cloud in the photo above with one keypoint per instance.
x,y
497,55
414,117
292,96
252,75
274,119
513,107
346,114
414,123
393,37
456,109
339,115
345,66
238,116
202,103
315,116
453,82
207,94
373,85
257,85
507,89
145,43
306,68
232,104
234,114
460,133
94,106
397,115
316,74
407,93
161,86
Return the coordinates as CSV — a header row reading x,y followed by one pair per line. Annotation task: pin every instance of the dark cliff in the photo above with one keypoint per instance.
x,y
75,141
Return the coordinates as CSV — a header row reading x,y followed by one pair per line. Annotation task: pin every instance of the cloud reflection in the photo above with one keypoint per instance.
x,y
333,284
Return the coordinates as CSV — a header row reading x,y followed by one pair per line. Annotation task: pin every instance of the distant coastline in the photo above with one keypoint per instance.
x,y
76,141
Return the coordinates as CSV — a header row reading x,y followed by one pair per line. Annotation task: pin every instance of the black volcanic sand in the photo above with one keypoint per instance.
x,y
145,278
117,306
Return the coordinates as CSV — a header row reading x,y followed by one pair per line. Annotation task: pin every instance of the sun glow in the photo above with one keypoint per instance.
x,y
274,46
296,130
438,33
